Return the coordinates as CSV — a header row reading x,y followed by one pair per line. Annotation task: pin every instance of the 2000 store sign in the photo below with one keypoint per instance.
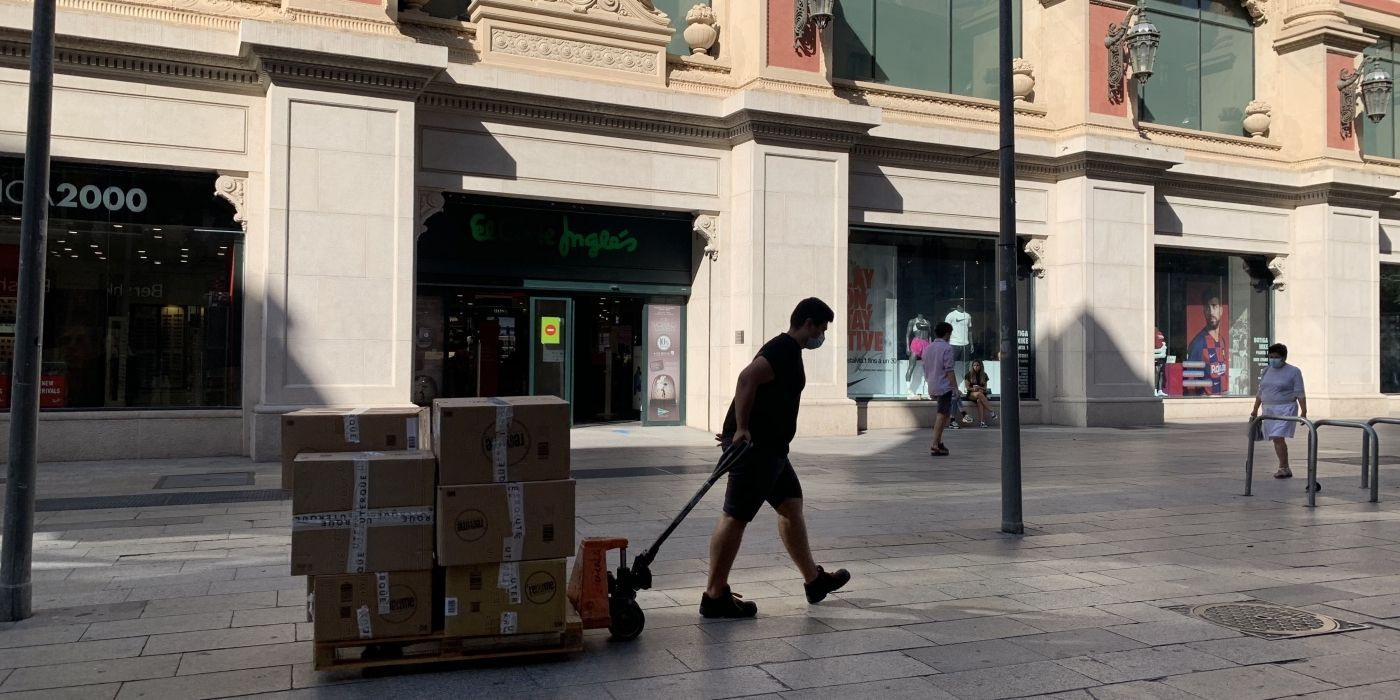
x,y
90,197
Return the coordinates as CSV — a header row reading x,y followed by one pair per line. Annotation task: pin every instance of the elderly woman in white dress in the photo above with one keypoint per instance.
x,y
1280,394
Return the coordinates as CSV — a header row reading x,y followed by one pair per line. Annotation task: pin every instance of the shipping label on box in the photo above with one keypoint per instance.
x,y
488,523
525,597
371,606
362,511
498,440
354,430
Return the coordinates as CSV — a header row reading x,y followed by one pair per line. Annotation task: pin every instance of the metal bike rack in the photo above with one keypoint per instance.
x,y
1376,451
1312,455
1367,466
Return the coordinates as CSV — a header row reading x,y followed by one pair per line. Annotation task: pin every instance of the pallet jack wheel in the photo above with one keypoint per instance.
x,y
627,620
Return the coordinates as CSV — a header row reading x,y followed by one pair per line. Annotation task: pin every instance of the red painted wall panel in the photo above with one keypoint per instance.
x,y
1336,63
780,51
1099,103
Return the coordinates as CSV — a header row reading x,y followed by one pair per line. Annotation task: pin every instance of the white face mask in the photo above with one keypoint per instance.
x,y
814,343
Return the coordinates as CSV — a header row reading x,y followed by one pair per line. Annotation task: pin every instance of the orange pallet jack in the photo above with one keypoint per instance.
x,y
607,599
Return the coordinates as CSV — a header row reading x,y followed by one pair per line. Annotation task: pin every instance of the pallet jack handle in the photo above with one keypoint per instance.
x,y
641,566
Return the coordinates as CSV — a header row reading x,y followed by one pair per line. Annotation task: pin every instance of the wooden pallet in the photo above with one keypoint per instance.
x,y
436,648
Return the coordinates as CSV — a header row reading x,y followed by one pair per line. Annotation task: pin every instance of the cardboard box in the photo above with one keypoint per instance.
x,y
487,523
525,597
372,606
356,512
350,430
497,440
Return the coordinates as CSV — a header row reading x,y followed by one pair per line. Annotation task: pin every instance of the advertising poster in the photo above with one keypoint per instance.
x,y
872,357
664,347
1206,367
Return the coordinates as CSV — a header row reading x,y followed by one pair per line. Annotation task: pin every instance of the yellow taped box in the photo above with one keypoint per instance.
x,y
487,523
357,512
371,606
524,597
496,440
350,430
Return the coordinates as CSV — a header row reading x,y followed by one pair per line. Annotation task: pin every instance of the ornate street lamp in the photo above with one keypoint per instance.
x,y
817,12
1140,38
1376,88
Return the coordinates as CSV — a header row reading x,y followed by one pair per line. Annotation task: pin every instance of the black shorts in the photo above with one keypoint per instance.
x,y
945,404
757,478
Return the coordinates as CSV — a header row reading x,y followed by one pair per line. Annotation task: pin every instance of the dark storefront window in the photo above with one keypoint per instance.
x,y
1214,323
1390,329
900,285
142,304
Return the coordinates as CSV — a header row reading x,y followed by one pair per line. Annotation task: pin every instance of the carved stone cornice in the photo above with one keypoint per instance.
x,y
617,119
1211,142
620,39
584,116
930,104
458,36
227,14
296,67
132,61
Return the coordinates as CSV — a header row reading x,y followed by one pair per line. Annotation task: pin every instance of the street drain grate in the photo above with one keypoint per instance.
x,y
1268,620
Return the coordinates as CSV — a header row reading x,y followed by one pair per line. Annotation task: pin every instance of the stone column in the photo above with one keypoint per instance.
x,y
339,278
1099,282
1327,312
786,240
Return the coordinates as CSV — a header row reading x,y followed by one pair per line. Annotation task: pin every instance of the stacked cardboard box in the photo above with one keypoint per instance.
x,y
505,507
467,540
349,430
363,487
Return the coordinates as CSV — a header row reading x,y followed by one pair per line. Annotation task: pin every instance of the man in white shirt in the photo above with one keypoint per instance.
x,y
942,382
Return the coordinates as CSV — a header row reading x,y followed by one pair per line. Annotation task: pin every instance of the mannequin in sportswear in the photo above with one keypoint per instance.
x,y
961,321
917,336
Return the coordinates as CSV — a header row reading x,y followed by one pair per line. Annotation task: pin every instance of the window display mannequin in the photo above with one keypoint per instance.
x,y
1159,358
917,336
961,321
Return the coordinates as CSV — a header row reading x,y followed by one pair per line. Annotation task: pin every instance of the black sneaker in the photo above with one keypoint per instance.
x,y
825,583
730,604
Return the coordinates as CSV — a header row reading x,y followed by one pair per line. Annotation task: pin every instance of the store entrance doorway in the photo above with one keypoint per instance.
x,y
584,348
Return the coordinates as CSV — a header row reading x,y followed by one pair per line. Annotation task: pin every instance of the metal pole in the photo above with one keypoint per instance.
x,y
16,555
1006,254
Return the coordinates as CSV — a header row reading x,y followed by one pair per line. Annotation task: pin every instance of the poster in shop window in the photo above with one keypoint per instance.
x,y
872,359
1205,370
665,344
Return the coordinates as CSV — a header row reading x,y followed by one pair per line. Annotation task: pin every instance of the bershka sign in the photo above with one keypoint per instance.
x,y
120,195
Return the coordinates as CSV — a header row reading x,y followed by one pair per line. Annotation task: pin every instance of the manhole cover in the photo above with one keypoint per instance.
x,y
1268,620
195,481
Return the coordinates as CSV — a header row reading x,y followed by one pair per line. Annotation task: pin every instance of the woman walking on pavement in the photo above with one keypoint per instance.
x,y
1281,394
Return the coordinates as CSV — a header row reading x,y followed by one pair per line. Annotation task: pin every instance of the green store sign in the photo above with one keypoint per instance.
x,y
475,238
483,230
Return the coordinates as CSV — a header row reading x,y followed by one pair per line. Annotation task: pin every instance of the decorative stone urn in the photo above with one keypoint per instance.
x,y
1022,79
1257,115
701,29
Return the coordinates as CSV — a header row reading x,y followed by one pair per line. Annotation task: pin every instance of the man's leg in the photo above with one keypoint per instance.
x,y
940,422
724,547
792,528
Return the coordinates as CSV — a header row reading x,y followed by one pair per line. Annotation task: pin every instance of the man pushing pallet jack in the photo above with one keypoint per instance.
x,y
760,425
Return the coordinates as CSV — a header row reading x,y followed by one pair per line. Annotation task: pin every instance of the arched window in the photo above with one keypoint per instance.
x,y
1205,67
1380,139
937,45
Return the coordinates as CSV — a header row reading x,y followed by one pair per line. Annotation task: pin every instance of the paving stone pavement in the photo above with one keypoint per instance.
x,y
140,600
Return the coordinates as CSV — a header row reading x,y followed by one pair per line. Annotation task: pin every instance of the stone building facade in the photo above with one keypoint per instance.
x,y
261,206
